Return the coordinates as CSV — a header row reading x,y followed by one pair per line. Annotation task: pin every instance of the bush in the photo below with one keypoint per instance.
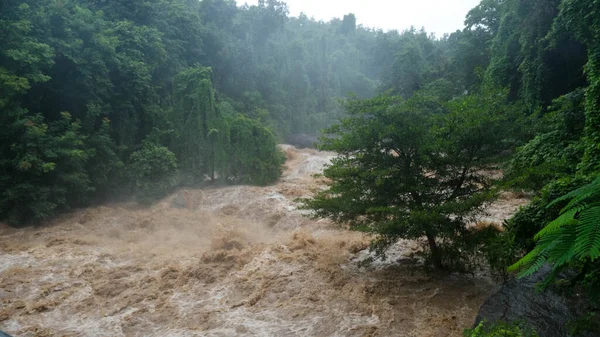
x,y
500,329
499,250
529,220
153,169
254,158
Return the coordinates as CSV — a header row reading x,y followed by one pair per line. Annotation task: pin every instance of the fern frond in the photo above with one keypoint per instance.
x,y
587,193
588,234
573,236
566,218
565,248
526,261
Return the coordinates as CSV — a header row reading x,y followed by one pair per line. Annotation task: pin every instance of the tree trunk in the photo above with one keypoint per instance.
x,y
435,252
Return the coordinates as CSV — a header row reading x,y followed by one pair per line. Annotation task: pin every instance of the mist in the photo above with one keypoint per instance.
x,y
437,16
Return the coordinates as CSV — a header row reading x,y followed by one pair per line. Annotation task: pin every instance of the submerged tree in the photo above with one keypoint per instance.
x,y
405,170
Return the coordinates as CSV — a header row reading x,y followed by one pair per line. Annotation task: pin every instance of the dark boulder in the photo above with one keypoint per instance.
x,y
549,312
302,141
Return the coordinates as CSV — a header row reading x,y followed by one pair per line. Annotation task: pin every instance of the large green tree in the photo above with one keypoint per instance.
x,y
406,170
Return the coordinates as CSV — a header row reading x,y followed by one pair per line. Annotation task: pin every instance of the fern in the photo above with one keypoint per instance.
x,y
574,236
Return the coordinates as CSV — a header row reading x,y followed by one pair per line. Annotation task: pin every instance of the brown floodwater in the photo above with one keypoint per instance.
x,y
235,261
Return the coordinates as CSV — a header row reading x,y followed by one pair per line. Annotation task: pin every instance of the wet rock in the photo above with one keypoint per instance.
x,y
302,141
548,312
179,201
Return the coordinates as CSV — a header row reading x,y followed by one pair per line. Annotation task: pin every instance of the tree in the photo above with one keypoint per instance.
x,y
348,24
486,16
406,171
153,169
42,166
254,157
201,141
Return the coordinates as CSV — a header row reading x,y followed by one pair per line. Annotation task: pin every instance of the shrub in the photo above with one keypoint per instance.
x,y
499,251
254,158
533,217
153,169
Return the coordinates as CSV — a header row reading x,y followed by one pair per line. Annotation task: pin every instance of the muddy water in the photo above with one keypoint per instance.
x,y
235,261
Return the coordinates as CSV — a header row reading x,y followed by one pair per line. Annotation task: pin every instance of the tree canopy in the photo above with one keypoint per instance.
x,y
414,168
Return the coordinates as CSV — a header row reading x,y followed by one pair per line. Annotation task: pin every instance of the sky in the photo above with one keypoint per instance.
x,y
437,16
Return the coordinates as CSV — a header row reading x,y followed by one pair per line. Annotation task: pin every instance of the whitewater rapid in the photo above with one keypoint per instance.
x,y
233,261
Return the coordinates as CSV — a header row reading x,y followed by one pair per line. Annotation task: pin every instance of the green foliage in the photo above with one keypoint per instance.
x,y
42,166
179,72
104,167
582,19
499,250
531,218
590,322
254,157
562,158
536,66
574,236
202,137
500,329
153,170
556,150
406,171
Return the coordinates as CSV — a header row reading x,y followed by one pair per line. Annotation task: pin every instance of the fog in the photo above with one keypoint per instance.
x,y
437,16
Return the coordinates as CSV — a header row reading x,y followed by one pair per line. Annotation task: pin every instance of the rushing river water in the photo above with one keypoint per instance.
x,y
233,261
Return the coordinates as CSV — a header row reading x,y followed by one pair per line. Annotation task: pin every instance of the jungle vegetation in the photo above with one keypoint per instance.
x,y
100,99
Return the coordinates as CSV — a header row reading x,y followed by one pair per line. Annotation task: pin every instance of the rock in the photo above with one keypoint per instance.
x,y
548,312
302,141
179,201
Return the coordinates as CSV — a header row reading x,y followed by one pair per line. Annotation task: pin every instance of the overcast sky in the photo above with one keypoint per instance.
x,y
437,16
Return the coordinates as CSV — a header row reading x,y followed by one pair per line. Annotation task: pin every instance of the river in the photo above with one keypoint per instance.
x,y
231,261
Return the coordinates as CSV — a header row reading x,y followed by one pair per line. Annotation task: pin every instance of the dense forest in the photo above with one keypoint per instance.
x,y
101,99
